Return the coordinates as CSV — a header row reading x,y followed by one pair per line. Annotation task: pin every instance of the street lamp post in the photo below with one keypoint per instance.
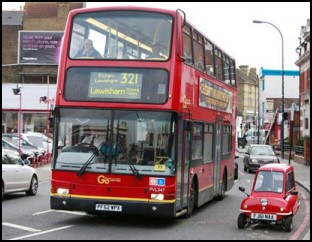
x,y
283,101
17,91
47,101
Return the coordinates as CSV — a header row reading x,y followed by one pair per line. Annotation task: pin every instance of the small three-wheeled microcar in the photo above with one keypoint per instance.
x,y
273,199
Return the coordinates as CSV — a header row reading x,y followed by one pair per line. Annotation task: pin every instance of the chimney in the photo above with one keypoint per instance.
x,y
244,69
253,70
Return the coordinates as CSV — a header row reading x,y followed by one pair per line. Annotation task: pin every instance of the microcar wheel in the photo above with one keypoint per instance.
x,y
288,223
241,221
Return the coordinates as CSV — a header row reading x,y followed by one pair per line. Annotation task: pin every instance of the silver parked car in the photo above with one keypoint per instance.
x,y
17,176
259,155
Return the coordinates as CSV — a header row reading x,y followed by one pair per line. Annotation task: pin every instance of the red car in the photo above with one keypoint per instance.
x,y
274,198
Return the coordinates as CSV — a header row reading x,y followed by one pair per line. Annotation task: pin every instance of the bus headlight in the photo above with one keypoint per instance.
x,y
63,191
157,196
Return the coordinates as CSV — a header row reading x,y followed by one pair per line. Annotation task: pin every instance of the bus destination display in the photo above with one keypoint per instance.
x,y
124,85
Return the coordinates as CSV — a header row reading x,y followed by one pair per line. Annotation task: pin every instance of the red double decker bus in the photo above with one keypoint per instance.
x,y
145,118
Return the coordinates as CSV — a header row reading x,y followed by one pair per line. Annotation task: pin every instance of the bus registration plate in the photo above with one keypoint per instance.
x,y
263,216
108,207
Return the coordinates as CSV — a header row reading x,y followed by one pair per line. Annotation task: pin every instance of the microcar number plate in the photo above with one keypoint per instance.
x,y
108,207
263,216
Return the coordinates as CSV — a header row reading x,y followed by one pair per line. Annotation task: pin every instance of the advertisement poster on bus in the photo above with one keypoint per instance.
x,y
39,47
215,97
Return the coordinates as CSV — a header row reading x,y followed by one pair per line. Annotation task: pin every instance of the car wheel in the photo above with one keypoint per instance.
x,y
33,186
241,221
192,201
288,223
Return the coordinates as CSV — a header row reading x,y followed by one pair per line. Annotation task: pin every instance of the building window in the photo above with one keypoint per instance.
x,y
306,123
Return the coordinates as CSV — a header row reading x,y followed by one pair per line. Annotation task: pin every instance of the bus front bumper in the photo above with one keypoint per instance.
x,y
94,206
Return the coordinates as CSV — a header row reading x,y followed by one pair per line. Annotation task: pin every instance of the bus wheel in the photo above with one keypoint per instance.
x,y
223,188
192,201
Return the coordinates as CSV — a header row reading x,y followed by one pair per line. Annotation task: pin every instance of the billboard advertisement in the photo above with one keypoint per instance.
x,y
39,47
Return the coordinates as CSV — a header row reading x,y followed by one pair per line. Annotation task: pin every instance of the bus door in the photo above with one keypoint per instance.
x,y
217,157
184,137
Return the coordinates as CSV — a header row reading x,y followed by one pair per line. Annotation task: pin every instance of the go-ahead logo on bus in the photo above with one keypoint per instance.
x,y
106,180
156,181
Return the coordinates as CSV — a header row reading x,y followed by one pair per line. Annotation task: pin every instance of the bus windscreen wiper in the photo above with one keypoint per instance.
x,y
84,167
133,169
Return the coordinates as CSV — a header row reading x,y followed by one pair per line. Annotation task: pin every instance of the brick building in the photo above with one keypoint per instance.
x,y
304,94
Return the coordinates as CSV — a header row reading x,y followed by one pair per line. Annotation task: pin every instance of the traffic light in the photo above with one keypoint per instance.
x,y
241,126
16,91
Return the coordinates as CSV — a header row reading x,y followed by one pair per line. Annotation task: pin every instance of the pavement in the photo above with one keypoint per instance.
x,y
302,175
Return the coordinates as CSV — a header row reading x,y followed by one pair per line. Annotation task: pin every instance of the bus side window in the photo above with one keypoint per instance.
x,y
219,64
198,52
232,73
187,45
209,58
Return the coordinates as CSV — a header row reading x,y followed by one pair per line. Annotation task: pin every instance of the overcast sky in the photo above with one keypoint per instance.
x,y
229,25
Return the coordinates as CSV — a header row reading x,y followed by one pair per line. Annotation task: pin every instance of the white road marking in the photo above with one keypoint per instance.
x,y
20,227
71,212
38,213
39,233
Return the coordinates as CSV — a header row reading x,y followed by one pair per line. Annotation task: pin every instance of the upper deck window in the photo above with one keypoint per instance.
x,y
121,35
